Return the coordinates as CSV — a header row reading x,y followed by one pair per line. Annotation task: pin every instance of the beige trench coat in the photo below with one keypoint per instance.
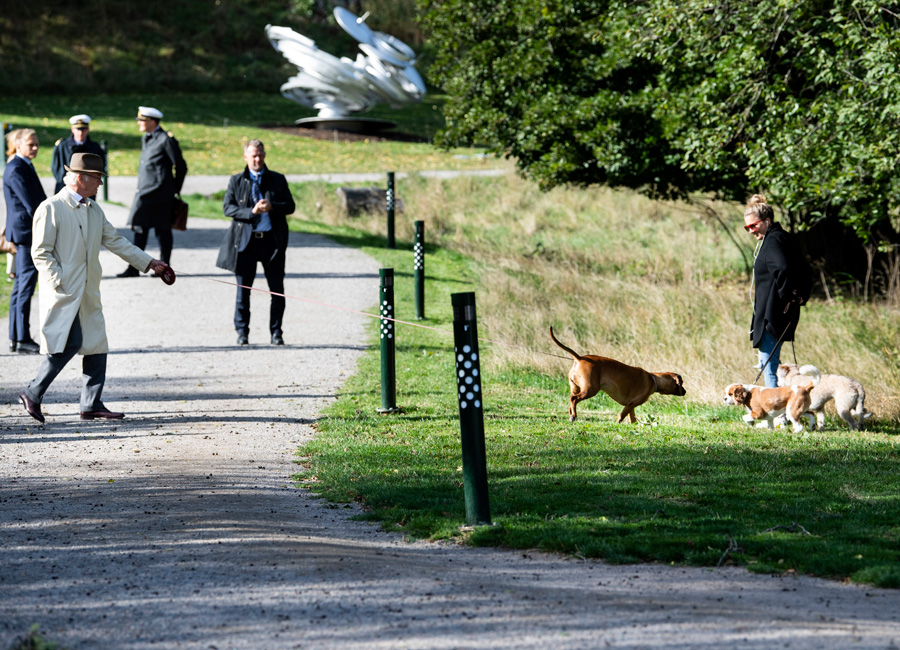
x,y
66,251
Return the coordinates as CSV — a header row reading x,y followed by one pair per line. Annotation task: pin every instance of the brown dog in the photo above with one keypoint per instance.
x,y
627,385
766,403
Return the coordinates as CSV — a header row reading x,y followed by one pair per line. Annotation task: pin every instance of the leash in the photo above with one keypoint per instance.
x,y
780,339
363,313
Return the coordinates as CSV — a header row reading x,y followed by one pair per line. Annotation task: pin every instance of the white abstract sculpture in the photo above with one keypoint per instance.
x,y
337,88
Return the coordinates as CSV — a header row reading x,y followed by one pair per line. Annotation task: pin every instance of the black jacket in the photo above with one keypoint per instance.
x,y
62,155
783,280
239,204
157,184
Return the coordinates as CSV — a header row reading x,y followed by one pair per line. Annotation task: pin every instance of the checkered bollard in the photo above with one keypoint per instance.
x,y
388,357
390,210
7,127
419,270
471,412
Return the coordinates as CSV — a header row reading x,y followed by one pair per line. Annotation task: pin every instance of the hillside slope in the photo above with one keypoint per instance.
x,y
116,46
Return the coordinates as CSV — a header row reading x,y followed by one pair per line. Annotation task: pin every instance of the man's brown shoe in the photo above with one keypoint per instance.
x,y
103,413
33,408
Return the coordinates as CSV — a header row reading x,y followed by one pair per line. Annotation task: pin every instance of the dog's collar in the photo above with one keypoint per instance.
x,y
655,383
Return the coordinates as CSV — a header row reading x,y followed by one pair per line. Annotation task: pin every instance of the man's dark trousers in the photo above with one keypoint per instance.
x,y
260,249
93,372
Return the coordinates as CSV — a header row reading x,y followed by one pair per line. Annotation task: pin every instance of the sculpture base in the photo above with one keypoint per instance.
x,y
351,124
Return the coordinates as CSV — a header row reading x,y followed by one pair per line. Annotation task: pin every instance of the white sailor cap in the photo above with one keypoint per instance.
x,y
80,120
148,112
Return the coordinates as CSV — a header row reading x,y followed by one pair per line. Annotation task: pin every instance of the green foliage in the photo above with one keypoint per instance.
x,y
798,99
35,641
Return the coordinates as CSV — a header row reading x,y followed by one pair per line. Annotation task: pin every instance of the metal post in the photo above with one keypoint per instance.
x,y
7,127
388,357
471,412
106,169
419,271
390,210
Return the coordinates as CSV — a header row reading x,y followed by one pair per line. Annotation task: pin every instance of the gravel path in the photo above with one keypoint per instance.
x,y
178,527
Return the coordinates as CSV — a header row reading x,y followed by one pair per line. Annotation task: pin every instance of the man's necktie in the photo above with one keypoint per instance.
x,y
254,191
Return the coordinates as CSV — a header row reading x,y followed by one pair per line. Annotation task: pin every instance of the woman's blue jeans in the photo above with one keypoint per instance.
x,y
767,347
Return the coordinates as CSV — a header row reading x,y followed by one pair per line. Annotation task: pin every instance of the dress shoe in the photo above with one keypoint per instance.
x,y
33,408
13,344
277,339
27,347
243,339
103,413
130,272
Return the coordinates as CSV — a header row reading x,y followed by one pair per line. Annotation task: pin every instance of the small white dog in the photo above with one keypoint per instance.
x,y
765,404
848,394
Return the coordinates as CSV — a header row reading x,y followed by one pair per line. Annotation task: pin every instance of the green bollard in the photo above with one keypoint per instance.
x,y
7,127
388,357
471,412
106,169
390,210
419,269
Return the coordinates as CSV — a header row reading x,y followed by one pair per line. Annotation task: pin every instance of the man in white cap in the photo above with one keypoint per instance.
x,y
79,142
69,230
157,186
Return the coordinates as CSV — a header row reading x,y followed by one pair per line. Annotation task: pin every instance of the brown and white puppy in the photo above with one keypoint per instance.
x,y
767,403
848,394
628,385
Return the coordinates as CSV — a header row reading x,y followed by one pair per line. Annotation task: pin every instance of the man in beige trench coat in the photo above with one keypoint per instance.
x,y
67,234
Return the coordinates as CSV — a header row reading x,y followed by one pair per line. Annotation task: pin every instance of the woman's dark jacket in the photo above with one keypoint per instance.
x,y
783,283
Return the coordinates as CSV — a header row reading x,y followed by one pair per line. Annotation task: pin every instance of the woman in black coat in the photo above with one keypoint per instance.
x,y
782,280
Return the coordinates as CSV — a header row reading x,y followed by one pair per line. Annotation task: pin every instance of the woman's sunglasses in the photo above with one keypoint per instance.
x,y
750,227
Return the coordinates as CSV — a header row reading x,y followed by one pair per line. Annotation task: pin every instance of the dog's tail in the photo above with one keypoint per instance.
x,y
569,350
860,411
811,371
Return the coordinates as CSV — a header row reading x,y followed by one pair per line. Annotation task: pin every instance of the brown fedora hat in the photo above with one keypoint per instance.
x,y
86,163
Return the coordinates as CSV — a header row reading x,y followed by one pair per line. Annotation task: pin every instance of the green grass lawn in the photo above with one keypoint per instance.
x,y
688,484
211,129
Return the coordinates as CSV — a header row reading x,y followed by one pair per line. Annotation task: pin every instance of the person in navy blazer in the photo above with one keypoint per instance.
x,y
258,201
23,193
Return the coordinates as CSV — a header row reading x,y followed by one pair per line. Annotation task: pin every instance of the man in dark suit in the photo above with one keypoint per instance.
x,y
23,192
79,142
258,201
157,186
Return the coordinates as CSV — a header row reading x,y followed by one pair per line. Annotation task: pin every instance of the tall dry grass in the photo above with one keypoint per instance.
x,y
659,285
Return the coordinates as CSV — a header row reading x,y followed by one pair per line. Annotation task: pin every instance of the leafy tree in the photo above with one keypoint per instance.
x,y
796,98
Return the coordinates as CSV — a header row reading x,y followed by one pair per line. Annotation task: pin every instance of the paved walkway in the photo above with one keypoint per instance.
x,y
180,527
